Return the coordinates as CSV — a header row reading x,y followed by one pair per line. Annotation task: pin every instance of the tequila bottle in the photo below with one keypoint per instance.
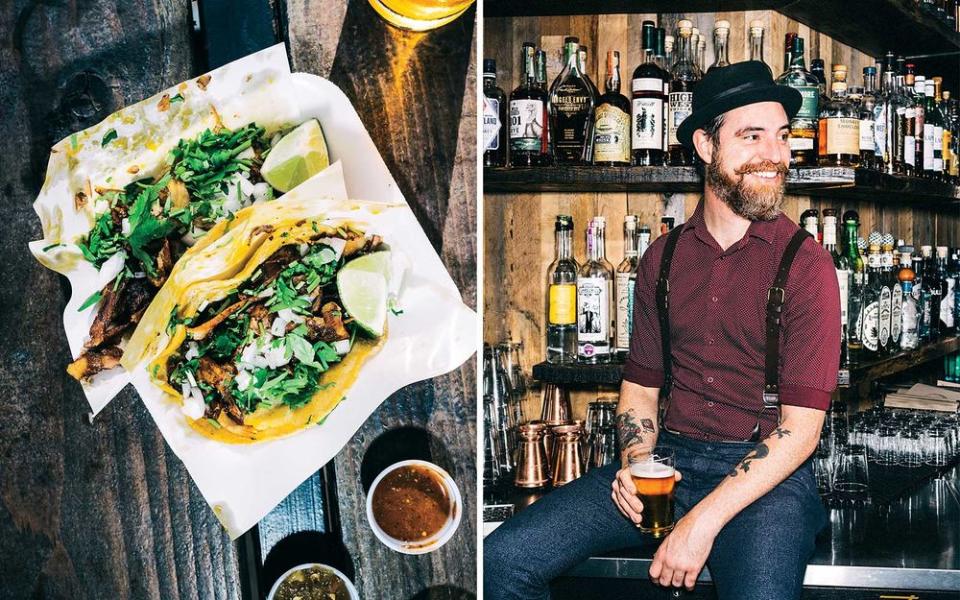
x,y
649,101
868,102
625,281
756,42
683,78
594,290
910,317
839,126
571,109
870,320
528,117
929,297
896,293
947,283
803,126
562,296
611,128
494,118
721,33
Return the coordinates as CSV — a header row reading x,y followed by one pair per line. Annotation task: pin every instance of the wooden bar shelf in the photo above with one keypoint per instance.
x,y
611,374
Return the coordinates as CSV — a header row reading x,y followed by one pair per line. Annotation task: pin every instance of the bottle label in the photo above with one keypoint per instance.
x,y
647,84
947,155
911,321
593,310
927,147
800,143
868,325
611,135
647,121
843,279
839,135
866,135
886,260
625,286
809,105
526,125
563,304
491,124
947,304
880,131
896,312
938,148
681,105
910,150
885,309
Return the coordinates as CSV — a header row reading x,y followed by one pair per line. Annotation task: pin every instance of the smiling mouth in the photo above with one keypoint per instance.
x,y
765,174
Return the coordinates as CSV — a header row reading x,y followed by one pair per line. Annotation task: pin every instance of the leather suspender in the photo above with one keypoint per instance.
x,y
776,297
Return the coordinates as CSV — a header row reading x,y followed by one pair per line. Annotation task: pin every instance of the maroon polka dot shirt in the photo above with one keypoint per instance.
x,y
717,316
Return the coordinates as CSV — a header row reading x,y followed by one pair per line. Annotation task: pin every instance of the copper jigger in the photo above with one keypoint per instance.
x,y
532,469
568,464
556,405
549,441
584,442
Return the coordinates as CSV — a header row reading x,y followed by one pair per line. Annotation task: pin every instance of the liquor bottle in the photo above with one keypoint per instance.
x,y
643,241
665,55
900,101
683,78
810,220
721,33
885,306
649,101
694,47
625,281
944,137
788,49
756,42
582,63
919,101
839,126
932,135
803,126
611,124
571,109
528,117
883,158
494,118
562,296
594,284
947,284
910,123
818,70
701,54
870,312
541,66
855,295
949,157
896,294
929,297
844,272
660,52
868,102
668,44
910,318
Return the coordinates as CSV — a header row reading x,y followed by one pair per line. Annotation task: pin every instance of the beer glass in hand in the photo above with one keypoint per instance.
x,y
654,477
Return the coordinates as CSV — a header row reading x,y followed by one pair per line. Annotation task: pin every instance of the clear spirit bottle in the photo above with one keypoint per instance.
x,y
649,101
803,126
611,123
625,281
571,109
910,316
868,102
562,296
721,33
528,117
896,293
683,78
594,289
494,118
839,126
947,283
870,321
756,42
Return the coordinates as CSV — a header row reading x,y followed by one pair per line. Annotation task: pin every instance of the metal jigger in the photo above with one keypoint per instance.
x,y
567,463
532,469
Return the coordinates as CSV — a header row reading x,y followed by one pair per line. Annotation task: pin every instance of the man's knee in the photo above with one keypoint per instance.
x,y
508,565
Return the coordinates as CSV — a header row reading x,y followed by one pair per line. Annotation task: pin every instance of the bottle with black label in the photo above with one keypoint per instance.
x,y
649,101
594,294
571,109
528,117
611,123
494,118
683,78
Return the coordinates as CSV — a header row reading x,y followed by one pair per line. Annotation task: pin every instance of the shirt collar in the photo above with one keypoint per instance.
x,y
764,230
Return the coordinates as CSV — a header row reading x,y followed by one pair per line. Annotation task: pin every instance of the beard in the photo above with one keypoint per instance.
x,y
759,202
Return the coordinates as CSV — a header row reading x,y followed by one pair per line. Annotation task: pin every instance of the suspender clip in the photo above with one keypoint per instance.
x,y
771,400
779,291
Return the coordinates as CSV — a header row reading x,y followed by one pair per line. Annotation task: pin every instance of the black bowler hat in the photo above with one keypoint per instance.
x,y
726,88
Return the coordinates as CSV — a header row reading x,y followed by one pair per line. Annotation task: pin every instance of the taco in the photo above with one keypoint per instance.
x,y
268,347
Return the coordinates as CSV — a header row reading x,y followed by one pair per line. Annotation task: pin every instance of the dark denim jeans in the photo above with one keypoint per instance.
x,y
761,554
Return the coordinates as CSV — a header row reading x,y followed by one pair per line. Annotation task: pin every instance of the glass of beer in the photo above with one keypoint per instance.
x,y
420,15
654,476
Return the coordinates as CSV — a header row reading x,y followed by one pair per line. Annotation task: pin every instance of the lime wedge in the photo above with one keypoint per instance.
x,y
375,262
364,297
299,155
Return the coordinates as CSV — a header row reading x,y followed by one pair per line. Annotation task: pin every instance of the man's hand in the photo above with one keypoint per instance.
x,y
625,495
681,556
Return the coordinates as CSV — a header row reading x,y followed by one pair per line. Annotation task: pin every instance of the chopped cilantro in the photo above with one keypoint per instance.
x,y
90,301
108,137
177,98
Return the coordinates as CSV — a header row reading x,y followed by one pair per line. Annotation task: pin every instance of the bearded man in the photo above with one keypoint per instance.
x,y
737,328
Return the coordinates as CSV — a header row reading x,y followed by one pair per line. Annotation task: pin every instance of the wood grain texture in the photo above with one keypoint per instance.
x,y
514,298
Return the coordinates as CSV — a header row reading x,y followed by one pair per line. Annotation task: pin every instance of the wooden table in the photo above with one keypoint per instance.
x,y
104,509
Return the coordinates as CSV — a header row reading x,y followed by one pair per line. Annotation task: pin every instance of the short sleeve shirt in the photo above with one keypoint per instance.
x,y
717,325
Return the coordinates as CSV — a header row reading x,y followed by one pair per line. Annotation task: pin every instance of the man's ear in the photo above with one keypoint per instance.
x,y
703,145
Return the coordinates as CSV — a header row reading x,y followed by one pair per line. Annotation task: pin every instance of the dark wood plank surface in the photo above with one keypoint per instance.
x,y
104,509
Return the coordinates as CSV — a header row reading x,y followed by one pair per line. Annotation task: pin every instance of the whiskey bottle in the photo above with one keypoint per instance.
x,y
839,126
625,282
701,53
803,126
494,118
528,117
884,119
571,109
721,33
940,132
868,102
948,156
910,316
756,42
818,70
611,129
562,296
594,287
855,295
683,78
932,134
648,98
911,124
664,60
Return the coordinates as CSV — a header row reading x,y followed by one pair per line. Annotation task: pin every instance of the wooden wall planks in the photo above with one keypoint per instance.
x,y
518,228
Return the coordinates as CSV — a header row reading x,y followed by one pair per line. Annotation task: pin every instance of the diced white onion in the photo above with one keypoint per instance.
x,y
243,380
248,153
193,405
261,191
139,275
193,351
100,206
276,357
111,268
203,306
337,244
265,293
191,379
303,248
279,326
289,316
341,347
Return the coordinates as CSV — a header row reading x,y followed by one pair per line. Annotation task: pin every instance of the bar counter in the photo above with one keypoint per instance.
x,y
911,545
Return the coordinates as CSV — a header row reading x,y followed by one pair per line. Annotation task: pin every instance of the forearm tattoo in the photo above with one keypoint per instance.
x,y
759,452
630,432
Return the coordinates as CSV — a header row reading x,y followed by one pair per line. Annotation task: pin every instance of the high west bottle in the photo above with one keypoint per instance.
x,y
571,109
611,123
756,42
649,102
594,290
721,33
683,78
562,296
494,118
528,117
625,282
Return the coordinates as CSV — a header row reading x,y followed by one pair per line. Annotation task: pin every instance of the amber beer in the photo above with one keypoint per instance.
x,y
653,476
420,15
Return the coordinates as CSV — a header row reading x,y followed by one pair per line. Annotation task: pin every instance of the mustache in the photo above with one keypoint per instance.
x,y
766,165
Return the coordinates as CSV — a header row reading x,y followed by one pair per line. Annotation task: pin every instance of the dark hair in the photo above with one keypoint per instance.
x,y
712,130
